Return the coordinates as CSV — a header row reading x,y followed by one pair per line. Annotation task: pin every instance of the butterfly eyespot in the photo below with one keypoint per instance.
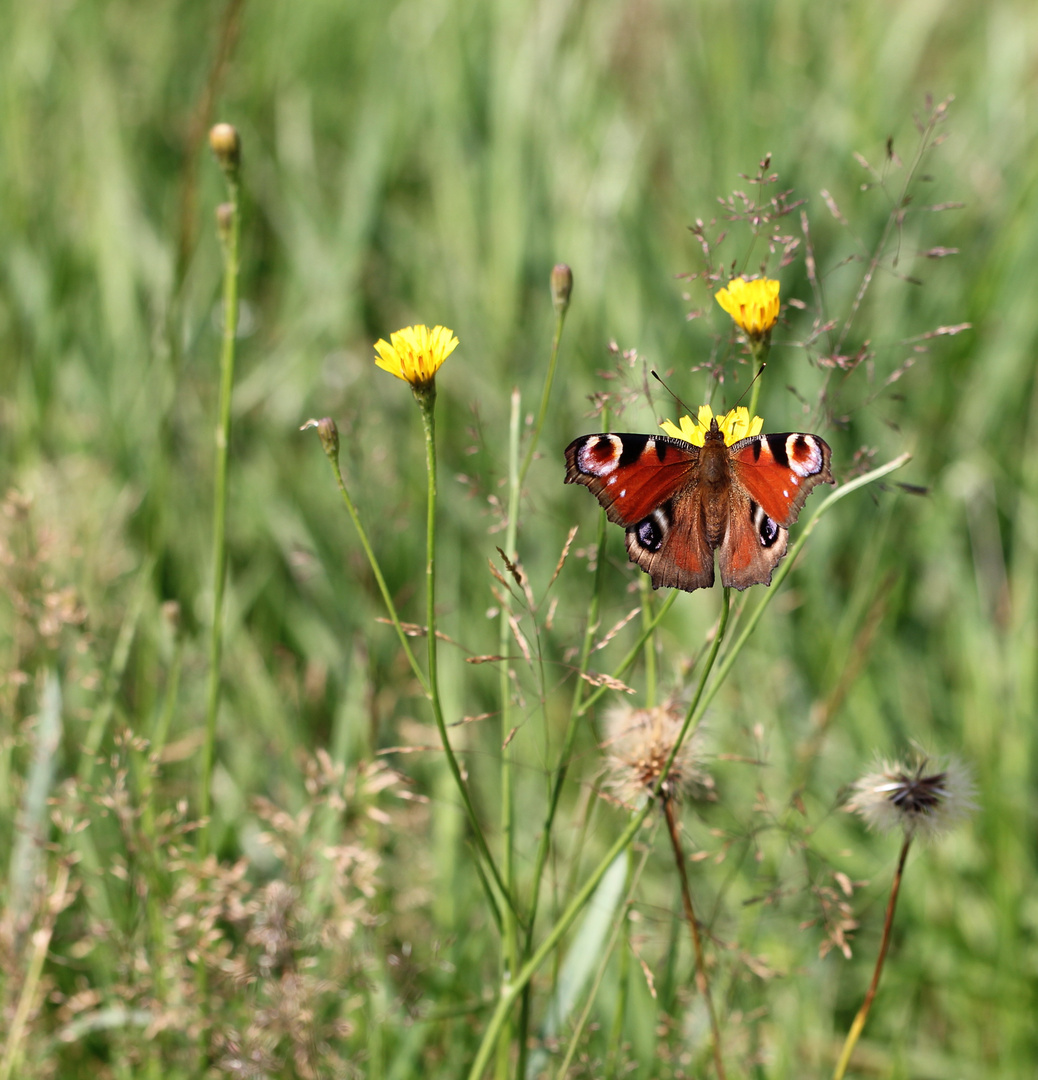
x,y
768,531
804,455
767,528
600,455
652,531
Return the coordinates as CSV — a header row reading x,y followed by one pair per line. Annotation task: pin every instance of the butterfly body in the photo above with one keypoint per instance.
x,y
680,503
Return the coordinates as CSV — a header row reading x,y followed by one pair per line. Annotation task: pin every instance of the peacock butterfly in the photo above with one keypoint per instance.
x,y
679,502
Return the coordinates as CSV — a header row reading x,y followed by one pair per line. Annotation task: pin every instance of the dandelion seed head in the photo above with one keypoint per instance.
x,y
639,742
923,797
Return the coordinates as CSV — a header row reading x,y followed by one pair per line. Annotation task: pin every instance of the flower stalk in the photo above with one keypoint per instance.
x,y
702,980
329,435
226,146
918,799
414,354
863,1013
425,395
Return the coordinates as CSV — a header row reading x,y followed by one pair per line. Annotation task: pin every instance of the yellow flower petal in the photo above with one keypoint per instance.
x,y
753,305
415,353
735,425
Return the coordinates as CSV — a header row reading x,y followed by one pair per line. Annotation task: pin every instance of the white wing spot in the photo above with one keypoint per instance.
x,y
590,465
812,463
785,493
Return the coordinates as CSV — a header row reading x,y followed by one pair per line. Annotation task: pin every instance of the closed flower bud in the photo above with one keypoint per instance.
x,y
226,145
328,433
561,286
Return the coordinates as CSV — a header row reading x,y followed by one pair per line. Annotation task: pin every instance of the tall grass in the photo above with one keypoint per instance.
x,y
430,163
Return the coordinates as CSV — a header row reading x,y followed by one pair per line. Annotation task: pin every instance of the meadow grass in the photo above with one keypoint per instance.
x,y
430,163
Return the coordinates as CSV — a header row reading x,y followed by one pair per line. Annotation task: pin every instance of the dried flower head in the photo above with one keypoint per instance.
x,y
734,424
639,743
923,797
753,305
415,353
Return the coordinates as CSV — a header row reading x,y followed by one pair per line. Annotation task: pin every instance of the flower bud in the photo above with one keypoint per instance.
x,y
561,286
226,145
328,433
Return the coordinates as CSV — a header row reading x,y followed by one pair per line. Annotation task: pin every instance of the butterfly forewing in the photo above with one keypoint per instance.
x,y
778,471
630,475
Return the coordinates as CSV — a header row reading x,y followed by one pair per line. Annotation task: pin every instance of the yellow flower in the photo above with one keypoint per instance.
x,y
415,353
735,425
753,305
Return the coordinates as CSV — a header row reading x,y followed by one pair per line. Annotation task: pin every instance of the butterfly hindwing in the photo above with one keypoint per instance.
x,y
671,547
753,545
647,484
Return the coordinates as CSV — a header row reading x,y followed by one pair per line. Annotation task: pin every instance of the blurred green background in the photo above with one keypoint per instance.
x,y
428,162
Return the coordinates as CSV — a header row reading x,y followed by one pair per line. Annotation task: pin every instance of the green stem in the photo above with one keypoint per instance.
x,y
230,245
759,350
510,992
426,398
787,565
569,737
870,994
575,713
510,950
331,452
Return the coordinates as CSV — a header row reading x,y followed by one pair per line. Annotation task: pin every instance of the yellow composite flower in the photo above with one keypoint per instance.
x,y
753,305
415,353
735,425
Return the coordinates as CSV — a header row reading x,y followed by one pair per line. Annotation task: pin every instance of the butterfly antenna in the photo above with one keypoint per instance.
x,y
687,410
749,385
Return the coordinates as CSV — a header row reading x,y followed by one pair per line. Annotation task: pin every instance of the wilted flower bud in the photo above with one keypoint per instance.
x,y
226,145
328,434
561,286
